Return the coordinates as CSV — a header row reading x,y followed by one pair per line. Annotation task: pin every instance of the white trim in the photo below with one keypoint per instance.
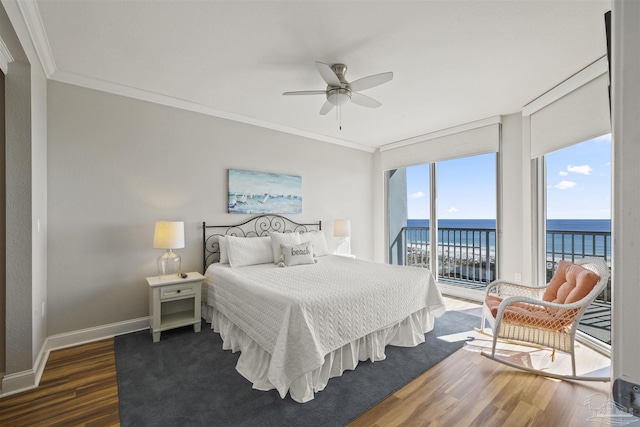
x,y
444,132
594,343
83,336
33,21
157,98
581,78
41,361
29,379
433,211
25,380
499,206
18,382
462,292
5,57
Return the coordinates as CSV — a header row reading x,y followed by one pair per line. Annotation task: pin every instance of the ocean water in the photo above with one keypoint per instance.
x,y
591,244
552,224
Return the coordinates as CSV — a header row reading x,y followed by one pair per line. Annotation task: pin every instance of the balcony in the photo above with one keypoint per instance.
x,y
466,257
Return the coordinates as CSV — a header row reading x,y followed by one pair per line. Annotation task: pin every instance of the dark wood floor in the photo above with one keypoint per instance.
x,y
78,387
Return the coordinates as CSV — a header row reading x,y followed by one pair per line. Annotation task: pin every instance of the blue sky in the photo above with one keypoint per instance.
x,y
579,181
578,185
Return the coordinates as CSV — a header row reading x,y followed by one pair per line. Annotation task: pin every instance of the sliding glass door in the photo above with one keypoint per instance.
x,y
458,195
578,217
466,191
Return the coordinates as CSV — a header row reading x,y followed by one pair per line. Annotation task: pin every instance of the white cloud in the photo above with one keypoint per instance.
x,y
563,173
584,169
565,185
452,209
417,195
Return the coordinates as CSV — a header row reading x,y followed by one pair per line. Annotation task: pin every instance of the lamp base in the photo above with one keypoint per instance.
x,y
344,247
169,263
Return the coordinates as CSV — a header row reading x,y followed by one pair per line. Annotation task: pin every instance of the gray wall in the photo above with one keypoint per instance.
x,y
397,214
3,225
18,218
25,185
116,165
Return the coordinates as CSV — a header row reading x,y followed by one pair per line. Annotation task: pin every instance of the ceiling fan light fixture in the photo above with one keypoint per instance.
x,y
339,91
338,96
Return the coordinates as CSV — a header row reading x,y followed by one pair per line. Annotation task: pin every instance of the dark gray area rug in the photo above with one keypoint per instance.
x,y
186,379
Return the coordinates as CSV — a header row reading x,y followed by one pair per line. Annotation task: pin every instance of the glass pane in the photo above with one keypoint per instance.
x,y
579,217
466,189
418,211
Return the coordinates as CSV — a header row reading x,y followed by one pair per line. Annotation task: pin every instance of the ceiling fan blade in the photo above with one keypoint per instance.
x,y
364,100
326,108
307,92
327,74
370,81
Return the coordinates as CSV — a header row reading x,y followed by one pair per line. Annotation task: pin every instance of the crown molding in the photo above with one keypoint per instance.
x,y
33,22
32,19
5,57
143,95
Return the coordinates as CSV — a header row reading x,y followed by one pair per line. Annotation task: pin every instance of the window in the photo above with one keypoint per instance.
x,y
466,191
466,216
578,217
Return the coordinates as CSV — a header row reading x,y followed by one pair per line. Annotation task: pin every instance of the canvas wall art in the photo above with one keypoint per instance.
x,y
261,192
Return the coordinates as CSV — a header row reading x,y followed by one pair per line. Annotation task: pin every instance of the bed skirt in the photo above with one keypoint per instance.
x,y
254,361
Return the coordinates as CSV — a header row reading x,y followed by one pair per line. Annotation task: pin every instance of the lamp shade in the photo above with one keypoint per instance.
x,y
342,228
169,235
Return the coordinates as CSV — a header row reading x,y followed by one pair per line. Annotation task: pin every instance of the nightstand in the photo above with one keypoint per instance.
x,y
174,302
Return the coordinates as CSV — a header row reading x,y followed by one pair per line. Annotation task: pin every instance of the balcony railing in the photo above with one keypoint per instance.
x,y
466,257
573,245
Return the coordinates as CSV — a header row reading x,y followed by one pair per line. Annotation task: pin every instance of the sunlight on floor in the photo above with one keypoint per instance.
x,y
588,361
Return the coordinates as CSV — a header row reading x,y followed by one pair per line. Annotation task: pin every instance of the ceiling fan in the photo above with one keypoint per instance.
x,y
339,91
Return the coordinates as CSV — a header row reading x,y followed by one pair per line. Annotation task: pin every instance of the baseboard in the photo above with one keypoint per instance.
x,y
26,380
18,382
83,336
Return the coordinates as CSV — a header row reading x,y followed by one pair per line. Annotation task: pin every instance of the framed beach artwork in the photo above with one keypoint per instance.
x,y
261,192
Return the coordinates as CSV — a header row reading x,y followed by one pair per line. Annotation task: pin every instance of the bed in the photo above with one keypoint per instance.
x,y
297,324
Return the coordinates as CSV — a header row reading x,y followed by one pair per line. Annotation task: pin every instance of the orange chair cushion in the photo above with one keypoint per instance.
x,y
570,283
532,315
493,302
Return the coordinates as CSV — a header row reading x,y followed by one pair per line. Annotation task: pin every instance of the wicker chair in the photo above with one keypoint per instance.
x,y
545,316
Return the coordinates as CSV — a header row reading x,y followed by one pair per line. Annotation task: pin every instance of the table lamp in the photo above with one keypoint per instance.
x,y
169,235
342,228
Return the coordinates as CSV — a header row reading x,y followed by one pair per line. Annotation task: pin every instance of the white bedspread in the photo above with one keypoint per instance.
x,y
300,314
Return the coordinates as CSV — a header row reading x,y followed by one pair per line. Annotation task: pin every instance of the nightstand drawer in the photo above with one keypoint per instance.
x,y
169,292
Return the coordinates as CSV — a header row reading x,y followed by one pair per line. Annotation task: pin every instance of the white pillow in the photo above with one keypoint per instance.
x,y
224,253
277,239
249,250
318,241
297,254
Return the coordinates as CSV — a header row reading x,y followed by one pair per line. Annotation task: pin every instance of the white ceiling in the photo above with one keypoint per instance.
x,y
454,62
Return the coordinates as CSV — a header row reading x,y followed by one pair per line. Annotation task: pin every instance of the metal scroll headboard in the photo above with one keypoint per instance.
x,y
257,226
